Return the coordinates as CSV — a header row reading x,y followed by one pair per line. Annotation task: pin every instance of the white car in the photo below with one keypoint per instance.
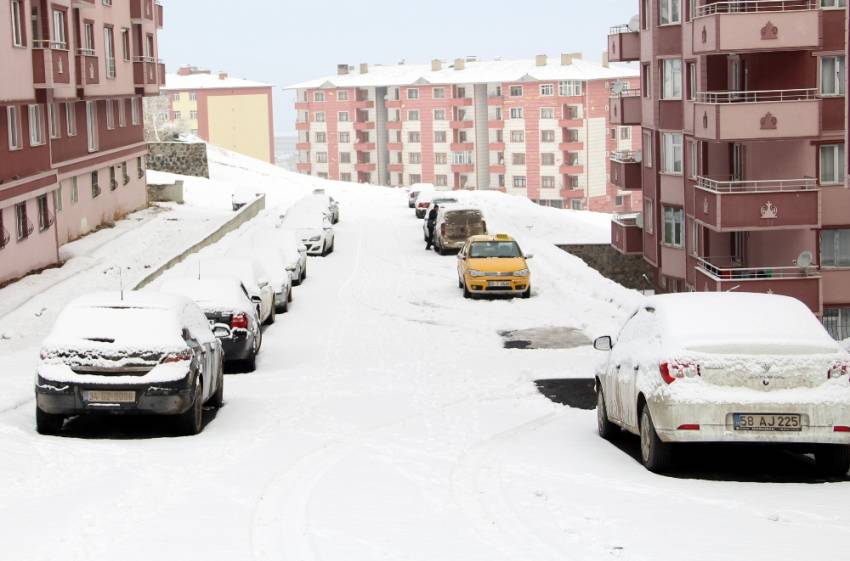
x,y
312,227
415,190
294,254
244,269
325,203
726,367
268,258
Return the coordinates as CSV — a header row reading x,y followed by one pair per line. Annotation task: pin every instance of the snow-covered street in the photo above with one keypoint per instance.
x,y
386,420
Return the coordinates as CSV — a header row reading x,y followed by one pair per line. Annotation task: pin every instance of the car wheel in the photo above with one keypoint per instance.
x,y
324,250
48,423
304,274
604,427
191,422
250,363
217,400
466,292
832,460
271,319
655,454
527,293
289,296
259,341
459,283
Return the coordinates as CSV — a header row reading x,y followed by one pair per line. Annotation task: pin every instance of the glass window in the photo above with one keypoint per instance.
x,y
516,91
647,149
671,152
674,226
412,93
17,25
669,12
439,93
832,75
517,136
516,112
692,80
835,248
320,116
692,159
319,96
547,89
519,182
343,116
91,125
837,322
671,74
547,113
22,223
833,3
570,88
13,117
36,117
649,218
59,38
413,115
344,138
832,164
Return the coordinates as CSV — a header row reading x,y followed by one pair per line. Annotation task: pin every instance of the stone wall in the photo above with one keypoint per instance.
x,y
167,193
179,157
627,270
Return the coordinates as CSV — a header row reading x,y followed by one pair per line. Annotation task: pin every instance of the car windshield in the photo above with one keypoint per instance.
x,y
485,250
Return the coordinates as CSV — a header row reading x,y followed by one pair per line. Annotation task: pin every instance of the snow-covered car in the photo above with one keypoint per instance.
x,y
423,201
415,190
726,367
312,227
230,312
268,259
440,201
245,270
136,352
456,224
294,254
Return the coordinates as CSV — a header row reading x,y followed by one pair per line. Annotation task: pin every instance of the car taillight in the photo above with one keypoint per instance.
x,y
239,321
839,369
673,370
182,356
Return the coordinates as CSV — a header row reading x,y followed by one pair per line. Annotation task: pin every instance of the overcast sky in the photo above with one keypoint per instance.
x,y
283,42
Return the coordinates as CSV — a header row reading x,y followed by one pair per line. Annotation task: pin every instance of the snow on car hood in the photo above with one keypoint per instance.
x,y
493,265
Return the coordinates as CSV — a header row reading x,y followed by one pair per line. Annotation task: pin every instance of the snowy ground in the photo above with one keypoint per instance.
x,y
387,421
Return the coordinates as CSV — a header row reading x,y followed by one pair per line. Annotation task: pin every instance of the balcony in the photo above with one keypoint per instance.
x,y
159,14
364,146
625,108
364,104
757,115
571,122
395,146
302,106
496,146
393,125
495,124
757,25
463,168
50,63
495,101
623,44
365,167
571,169
625,170
723,274
396,167
462,124
729,206
462,146
364,125
571,146
302,146
87,68
627,233
302,125
304,168
497,168
145,73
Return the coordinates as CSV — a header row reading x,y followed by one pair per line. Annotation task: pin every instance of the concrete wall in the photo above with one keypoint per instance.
x,y
626,270
180,158
168,193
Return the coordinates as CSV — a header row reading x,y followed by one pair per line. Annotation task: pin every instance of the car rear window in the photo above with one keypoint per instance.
x,y
484,250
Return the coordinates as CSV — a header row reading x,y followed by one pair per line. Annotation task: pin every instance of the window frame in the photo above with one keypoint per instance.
x,y
14,133
547,90
91,126
838,164
837,75
674,217
669,5
671,79
17,22
35,112
668,141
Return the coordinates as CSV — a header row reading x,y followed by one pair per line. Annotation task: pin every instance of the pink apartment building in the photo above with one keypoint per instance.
x,y
538,128
72,75
742,111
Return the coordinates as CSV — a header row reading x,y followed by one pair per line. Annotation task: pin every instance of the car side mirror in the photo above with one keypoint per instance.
x,y
262,283
256,299
603,343
529,256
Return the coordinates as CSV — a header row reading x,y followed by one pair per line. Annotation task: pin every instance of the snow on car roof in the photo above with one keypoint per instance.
x,y
211,294
736,320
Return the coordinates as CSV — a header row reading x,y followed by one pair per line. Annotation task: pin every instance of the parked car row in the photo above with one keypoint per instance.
x,y
488,264
162,351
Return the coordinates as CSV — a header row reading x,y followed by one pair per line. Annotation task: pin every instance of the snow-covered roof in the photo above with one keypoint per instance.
x,y
203,81
474,72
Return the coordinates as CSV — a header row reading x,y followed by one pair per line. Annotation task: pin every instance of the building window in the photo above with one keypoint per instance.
x,y
518,159
618,200
113,181
74,196
439,93
60,38
88,37
547,113
13,116
671,74
576,204
57,198
322,157
345,177
319,117
345,157
344,138
193,115
547,89
36,117
319,97
518,182
692,159
22,223
440,136
837,322
516,91
122,113
647,149
692,80
517,136
109,47
53,120
835,248
413,137
414,178
343,116
646,79
193,96
833,3
571,112
572,182
547,159
674,226
125,176
669,12
110,115
412,93
462,158
625,133
441,180
44,219
547,182
321,138
649,218
413,115
140,167
441,158
832,164
570,88
414,158
95,184
91,125
547,136
832,75
671,152
125,43
439,114
134,111
17,24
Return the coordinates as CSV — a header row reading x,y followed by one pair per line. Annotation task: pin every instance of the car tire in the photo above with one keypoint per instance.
x,y
304,274
526,294
654,454
191,421
832,460
604,426
459,283
466,292
48,423
271,319
324,250
250,363
289,297
217,399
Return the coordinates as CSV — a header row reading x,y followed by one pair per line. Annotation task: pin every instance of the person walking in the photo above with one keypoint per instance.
x,y
432,223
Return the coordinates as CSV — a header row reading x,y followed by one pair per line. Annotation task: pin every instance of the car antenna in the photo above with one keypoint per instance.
x,y
121,281
199,270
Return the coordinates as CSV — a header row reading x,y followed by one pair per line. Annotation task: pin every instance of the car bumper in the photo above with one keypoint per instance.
x,y
484,285
170,398
420,213
678,422
238,346
314,248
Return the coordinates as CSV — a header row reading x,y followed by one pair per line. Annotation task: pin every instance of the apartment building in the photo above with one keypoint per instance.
x,y
72,145
743,167
229,112
538,128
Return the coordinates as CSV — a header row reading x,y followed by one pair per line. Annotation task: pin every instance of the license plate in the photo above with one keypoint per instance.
x,y
768,422
500,284
107,396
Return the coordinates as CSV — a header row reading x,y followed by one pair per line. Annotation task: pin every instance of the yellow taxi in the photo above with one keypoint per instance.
x,y
493,264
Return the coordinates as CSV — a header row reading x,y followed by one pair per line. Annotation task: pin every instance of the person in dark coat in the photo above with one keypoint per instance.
x,y
432,223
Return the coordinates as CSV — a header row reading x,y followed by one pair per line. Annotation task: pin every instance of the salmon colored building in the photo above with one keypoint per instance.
x,y
538,128
229,112
743,162
72,77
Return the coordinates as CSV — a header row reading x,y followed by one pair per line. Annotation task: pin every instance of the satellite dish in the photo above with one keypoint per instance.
x,y
618,87
805,259
634,23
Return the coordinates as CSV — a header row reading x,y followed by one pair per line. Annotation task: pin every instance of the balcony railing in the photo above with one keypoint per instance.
x,y
627,156
630,219
624,28
756,186
757,96
754,6
726,268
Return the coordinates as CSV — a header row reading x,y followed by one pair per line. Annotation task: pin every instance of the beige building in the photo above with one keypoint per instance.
x,y
229,112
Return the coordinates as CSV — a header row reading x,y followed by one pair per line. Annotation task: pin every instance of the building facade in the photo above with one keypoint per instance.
x,y
228,112
72,78
538,128
743,168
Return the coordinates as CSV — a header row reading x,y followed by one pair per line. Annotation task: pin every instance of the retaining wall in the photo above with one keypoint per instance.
x,y
179,157
627,270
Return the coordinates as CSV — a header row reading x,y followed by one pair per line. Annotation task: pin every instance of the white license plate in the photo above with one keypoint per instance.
x,y
500,284
769,422
109,396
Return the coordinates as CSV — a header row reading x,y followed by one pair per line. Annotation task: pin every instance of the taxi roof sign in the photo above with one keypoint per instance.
x,y
502,237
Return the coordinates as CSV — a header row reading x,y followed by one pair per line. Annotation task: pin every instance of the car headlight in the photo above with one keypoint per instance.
x,y
474,273
521,273
315,238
